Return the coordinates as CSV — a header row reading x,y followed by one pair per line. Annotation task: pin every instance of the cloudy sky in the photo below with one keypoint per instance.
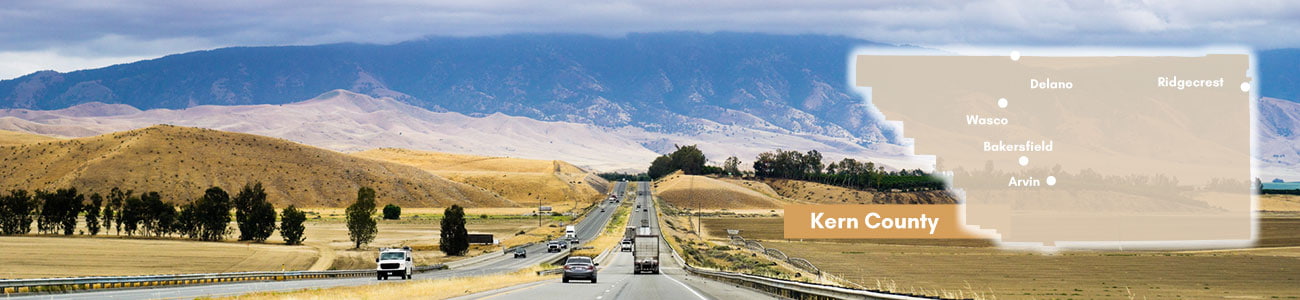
x,y
67,35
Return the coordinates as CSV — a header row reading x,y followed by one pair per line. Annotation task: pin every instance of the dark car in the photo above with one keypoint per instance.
x,y
579,267
521,252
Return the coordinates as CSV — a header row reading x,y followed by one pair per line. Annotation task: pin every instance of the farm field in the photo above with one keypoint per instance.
x,y
327,247
974,267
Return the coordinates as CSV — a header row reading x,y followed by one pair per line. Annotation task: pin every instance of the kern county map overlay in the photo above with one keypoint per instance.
x,y
1078,149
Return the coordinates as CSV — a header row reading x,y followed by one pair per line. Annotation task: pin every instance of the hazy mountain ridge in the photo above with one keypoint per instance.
x,y
345,121
661,82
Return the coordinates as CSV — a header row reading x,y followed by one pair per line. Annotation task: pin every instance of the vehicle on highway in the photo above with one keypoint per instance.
x,y
645,251
625,246
570,232
579,267
394,262
554,246
521,252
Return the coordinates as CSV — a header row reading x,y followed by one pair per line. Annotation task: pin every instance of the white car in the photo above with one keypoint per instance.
x,y
626,246
394,262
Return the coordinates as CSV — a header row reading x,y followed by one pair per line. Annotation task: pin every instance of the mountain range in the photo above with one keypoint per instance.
x,y
604,102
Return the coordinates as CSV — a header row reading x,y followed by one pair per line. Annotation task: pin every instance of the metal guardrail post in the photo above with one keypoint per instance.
x,y
42,285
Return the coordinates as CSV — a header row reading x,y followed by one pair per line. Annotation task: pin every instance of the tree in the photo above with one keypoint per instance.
x,y
160,217
661,166
689,159
92,213
291,227
108,215
116,202
255,216
133,213
455,239
16,210
731,166
361,222
392,212
212,213
187,221
59,210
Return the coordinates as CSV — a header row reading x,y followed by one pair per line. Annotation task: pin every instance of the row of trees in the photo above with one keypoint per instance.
x,y
848,172
205,218
807,166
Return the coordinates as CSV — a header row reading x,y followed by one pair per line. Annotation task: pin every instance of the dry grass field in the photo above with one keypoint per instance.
x,y
181,162
526,182
10,138
327,247
39,257
1280,204
683,190
417,289
974,266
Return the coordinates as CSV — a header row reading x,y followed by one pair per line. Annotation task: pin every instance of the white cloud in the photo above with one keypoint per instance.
x,y
97,31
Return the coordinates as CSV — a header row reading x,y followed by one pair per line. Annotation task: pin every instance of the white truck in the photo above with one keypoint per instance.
x,y
394,262
571,234
645,251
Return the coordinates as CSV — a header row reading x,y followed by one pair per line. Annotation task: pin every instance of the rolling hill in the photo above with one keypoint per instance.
x,y
180,162
524,181
10,138
730,193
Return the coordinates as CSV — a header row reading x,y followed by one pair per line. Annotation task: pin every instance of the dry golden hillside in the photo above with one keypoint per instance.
x,y
730,193
10,138
180,162
805,191
524,181
684,190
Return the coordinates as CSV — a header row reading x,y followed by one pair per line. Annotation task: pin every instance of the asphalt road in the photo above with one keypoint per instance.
x,y
492,263
616,281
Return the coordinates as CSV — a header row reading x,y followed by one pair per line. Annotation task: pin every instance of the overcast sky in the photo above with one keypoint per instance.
x,y
67,35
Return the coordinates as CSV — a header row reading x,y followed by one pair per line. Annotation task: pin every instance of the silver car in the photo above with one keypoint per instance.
x,y
579,267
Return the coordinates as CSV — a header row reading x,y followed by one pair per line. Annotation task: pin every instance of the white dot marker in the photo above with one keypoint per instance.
x,y
1245,86
1024,160
1051,180
1015,55
1002,102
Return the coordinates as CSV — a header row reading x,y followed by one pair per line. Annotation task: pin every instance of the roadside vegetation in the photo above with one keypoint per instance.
x,y
422,289
611,236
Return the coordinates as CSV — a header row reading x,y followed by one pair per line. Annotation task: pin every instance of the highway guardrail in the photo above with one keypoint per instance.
x,y
72,284
789,288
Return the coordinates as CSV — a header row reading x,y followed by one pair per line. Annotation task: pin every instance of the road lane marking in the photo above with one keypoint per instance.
x,y
502,293
688,288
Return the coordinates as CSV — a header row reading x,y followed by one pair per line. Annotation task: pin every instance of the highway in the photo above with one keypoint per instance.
x,y
616,280
491,263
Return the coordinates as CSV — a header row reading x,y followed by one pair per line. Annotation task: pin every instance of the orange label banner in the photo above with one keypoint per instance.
x,y
874,221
